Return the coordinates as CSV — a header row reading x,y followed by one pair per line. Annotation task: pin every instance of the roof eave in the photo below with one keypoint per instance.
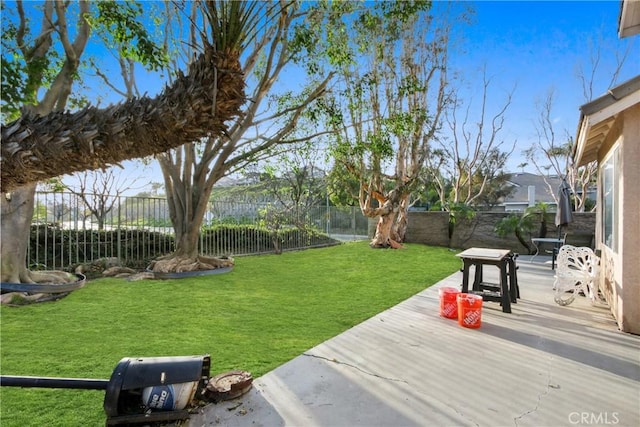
x,y
629,19
597,117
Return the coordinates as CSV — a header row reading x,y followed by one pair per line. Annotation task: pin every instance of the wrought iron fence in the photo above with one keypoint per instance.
x,y
70,229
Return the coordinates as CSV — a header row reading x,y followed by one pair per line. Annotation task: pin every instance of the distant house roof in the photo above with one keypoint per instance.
x,y
597,118
522,181
629,22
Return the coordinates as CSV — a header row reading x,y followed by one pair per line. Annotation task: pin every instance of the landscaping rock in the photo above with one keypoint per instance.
x,y
118,272
141,276
8,297
24,298
95,267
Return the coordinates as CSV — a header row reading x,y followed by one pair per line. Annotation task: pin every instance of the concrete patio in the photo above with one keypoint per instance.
x,y
541,365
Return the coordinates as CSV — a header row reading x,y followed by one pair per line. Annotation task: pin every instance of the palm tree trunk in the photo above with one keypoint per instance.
x,y
34,148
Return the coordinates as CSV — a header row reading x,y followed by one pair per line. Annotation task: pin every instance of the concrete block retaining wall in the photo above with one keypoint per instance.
x,y
432,228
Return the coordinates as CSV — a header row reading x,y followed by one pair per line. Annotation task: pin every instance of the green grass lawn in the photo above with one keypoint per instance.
x,y
267,311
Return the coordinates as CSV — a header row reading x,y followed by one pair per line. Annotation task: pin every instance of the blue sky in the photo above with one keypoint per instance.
x,y
530,45
538,45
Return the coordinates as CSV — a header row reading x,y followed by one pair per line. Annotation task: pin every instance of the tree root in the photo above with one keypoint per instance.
x,y
52,276
181,264
390,243
46,277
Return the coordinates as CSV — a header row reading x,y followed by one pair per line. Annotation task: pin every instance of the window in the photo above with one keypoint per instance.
x,y
610,195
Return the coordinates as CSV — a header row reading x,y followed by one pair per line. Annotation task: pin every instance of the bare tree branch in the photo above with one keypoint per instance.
x,y
474,150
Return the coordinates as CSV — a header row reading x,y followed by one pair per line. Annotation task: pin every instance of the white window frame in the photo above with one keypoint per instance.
x,y
610,198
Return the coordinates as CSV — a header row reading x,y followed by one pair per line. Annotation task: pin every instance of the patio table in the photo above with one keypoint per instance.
x,y
507,291
557,243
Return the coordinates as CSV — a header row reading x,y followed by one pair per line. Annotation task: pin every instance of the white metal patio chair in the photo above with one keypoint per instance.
x,y
576,272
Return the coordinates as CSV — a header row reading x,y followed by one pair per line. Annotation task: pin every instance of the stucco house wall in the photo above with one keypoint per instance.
x,y
620,278
608,123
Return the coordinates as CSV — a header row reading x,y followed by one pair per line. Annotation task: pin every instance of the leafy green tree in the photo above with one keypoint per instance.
x,y
273,39
524,224
538,212
343,186
297,184
495,192
389,106
515,224
40,64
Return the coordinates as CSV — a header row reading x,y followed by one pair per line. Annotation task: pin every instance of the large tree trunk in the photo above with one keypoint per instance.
x,y
386,235
187,241
391,215
188,198
35,148
388,230
186,257
186,216
17,212
399,231
383,236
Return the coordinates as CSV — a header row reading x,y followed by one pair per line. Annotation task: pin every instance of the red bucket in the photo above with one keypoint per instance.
x,y
448,304
469,310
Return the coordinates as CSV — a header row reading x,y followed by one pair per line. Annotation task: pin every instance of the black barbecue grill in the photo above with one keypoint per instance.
x,y
140,390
